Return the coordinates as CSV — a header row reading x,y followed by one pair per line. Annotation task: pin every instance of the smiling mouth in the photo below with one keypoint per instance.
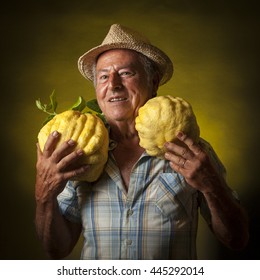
x,y
117,99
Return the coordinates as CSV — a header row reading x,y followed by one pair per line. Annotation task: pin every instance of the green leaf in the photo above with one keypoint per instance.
x,y
53,105
93,105
79,105
49,109
102,117
39,105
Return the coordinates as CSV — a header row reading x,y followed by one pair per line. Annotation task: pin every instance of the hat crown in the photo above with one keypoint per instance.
x,y
122,34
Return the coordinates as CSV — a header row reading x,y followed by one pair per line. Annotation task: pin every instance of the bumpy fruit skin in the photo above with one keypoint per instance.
x,y
160,119
90,134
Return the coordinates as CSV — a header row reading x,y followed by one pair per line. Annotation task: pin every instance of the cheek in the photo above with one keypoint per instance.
x,y
144,93
100,93
100,100
139,86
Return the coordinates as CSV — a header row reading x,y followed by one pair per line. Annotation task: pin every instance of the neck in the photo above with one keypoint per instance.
x,y
128,150
123,131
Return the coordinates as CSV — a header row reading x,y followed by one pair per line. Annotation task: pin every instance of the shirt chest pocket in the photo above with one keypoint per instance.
x,y
174,197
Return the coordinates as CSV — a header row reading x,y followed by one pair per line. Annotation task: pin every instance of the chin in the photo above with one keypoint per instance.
x,y
117,118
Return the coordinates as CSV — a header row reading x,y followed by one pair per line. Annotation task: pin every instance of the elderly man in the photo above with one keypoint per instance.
x,y
141,207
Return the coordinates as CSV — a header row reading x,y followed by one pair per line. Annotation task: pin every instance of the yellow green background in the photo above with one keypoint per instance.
x,y
215,49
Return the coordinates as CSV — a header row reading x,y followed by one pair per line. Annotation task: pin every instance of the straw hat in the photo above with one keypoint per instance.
x,y
120,37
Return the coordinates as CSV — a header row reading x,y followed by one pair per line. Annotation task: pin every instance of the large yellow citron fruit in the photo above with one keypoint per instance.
x,y
160,119
90,134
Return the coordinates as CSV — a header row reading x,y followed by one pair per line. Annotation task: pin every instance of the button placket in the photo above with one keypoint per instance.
x,y
128,242
129,212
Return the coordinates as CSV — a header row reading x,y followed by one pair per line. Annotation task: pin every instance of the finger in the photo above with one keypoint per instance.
x,y
63,150
182,151
176,167
178,160
39,152
51,143
195,148
70,159
72,174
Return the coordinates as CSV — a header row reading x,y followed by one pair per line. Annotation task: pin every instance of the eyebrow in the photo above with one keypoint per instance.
x,y
107,69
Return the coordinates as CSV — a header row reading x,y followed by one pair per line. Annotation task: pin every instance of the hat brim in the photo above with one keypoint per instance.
x,y
163,62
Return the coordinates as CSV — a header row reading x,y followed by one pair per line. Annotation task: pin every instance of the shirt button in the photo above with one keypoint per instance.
x,y
128,242
130,212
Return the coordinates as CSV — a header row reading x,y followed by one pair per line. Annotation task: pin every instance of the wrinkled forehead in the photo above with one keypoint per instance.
x,y
118,53
119,58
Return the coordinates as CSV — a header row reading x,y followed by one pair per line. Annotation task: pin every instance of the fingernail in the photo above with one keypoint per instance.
x,y
166,155
180,134
55,133
80,152
166,144
71,142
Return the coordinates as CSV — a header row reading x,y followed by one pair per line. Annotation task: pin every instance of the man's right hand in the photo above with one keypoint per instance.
x,y
55,167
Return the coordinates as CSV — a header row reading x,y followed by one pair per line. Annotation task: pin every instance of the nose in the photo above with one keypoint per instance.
x,y
115,82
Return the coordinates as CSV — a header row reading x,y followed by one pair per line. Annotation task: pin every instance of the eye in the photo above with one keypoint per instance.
x,y
103,78
126,73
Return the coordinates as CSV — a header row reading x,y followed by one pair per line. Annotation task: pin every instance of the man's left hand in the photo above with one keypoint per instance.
x,y
190,160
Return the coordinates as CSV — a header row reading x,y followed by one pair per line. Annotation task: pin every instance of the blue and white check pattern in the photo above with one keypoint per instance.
x,y
156,219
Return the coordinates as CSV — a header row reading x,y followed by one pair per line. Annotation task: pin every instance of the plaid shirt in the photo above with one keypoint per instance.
x,y
156,219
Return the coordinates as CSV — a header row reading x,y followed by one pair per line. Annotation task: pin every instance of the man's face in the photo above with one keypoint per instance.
x,y
121,84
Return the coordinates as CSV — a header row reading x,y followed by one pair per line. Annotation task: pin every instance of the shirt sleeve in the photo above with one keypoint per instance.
x,y
68,203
